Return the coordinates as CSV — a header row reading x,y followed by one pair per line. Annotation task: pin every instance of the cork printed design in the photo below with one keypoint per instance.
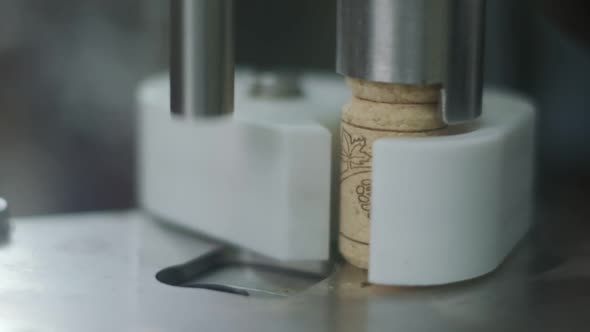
x,y
376,111
363,191
354,157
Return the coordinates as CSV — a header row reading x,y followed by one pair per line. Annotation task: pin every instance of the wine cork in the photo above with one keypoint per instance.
x,y
376,110
394,93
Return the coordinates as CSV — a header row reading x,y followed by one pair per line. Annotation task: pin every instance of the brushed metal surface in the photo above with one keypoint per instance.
x,y
417,42
96,272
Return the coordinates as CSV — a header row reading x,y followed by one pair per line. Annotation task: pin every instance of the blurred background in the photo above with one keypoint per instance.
x,y
69,70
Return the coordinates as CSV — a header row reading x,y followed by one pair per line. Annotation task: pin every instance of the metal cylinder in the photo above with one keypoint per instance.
x,y
202,57
416,42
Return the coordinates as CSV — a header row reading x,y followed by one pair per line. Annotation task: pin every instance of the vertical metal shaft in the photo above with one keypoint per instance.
x,y
202,57
417,42
463,85
394,41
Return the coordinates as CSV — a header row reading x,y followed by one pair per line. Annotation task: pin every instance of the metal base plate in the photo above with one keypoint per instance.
x,y
97,272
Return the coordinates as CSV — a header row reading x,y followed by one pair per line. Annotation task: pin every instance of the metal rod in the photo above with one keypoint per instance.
x,y
202,57
463,85
4,222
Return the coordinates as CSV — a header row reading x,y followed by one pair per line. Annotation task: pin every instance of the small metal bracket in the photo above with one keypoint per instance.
x,y
202,57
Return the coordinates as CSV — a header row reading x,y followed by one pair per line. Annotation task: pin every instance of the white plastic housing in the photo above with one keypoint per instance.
x,y
259,179
452,208
444,209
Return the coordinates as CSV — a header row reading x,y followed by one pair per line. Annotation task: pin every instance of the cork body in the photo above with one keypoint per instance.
x,y
377,110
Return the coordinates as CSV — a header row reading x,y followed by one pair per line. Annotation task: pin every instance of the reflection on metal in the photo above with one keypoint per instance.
x,y
242,273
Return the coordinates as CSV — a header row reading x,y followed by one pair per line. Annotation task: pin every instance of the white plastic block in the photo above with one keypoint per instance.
x,y
259,179
447,209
